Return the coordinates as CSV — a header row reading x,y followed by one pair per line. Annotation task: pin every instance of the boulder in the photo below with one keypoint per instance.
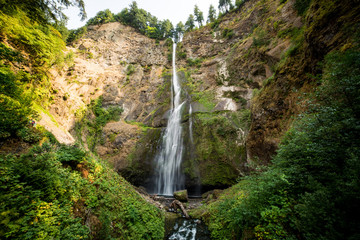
x,y
181,195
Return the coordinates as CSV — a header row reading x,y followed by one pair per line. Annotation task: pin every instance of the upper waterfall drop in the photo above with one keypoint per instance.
x,y
169,177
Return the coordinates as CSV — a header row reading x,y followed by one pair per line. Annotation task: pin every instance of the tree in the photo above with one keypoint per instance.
x,y
101,18
212,14
190,23
225,5
239,3
179,31
43,10
167,28
198,15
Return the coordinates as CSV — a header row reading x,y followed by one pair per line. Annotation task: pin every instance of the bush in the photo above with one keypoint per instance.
x,y
302,5
228,33
194,62
30,134
40,199
15,107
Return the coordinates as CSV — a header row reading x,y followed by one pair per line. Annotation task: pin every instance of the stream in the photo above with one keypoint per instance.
x,y
189,229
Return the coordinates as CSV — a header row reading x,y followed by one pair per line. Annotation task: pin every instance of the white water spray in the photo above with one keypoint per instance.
x,y
168,162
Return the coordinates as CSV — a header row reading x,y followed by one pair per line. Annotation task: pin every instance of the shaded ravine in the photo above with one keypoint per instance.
x,y
169,177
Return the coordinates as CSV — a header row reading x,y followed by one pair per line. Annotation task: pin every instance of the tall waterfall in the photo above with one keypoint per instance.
x,y
168,161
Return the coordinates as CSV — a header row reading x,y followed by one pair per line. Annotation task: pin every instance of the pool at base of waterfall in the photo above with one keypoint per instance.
x,y
189,229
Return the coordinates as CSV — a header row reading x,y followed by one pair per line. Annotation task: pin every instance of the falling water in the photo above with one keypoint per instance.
x,y
168,160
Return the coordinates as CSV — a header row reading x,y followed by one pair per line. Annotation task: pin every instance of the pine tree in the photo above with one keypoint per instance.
x,y
212,14
179,31
198,15
190,23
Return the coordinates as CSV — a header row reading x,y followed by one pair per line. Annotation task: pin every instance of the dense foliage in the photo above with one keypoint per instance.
x,y
38,46
62,192
312,190
42,11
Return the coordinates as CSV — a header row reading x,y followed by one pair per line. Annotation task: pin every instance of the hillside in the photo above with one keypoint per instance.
x,y
270,123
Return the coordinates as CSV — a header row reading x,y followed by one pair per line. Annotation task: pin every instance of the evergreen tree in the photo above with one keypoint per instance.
x,y
239,3
101,18
199,17
179,31
225,5
167,28
190,23
212,14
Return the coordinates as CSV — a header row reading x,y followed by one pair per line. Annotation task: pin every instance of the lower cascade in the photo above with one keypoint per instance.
x,y
189,229
168,160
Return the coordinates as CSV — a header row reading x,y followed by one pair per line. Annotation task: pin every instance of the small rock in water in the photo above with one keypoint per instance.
x,y
181,195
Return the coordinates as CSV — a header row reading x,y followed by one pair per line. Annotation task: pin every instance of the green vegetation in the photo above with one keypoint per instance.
x,y
219,147
37,45
15,107
101,18
211,14
311,190
194,62
199,17
227,33
62,192
302,5
133,16
42,11
95,118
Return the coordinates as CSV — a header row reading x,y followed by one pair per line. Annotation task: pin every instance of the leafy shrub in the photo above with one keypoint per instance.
x,y
30,134
227,33
76,34
15,107
302,5
42,42
260,39
215,24
194,62
40,199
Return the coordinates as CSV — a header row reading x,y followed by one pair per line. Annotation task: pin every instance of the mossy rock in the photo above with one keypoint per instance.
x,y
181,195
140,160
218,154
170,221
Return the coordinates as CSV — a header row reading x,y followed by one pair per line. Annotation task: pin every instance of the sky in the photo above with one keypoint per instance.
x,y
174,10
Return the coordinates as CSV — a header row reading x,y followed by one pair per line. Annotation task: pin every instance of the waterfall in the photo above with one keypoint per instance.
x,y
168,161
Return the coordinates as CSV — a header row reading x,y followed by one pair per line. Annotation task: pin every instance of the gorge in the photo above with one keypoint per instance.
x,y
256,111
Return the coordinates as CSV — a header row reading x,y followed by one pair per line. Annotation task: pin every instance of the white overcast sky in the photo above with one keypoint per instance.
x,y
174,10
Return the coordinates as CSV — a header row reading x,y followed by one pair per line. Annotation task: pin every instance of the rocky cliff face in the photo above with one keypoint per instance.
x,y
241,75
228,62
125,69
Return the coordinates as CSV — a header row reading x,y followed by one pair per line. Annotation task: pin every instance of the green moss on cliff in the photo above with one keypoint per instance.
x,y
140,161
92,121
219,154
